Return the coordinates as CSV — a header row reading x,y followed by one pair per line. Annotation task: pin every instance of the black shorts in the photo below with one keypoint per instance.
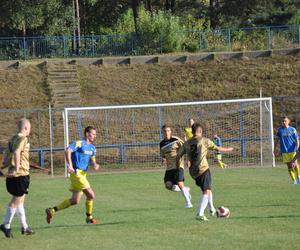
x,y
204,180
174,176
18,186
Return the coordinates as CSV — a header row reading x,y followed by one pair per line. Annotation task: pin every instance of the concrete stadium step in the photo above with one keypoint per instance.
x,y
66,97
58,91
63,84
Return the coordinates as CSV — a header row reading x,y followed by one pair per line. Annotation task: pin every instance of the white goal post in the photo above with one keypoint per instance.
x,y
129,135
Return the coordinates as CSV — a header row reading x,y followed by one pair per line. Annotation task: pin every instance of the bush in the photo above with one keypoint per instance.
x,y
155,30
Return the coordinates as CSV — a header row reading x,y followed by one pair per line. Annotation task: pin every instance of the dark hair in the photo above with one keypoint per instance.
x,y
166,126
286,117
195,126
88,129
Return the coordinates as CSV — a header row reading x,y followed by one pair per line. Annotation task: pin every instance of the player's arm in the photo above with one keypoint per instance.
x,y
181,152
94,164
93,160
17,156
68,154
293,162
223,149
276,142
211,146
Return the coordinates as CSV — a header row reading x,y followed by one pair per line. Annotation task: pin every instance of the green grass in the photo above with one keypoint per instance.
x,y
136,212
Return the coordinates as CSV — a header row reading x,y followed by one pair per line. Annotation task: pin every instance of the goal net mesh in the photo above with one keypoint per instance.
x,y
129,136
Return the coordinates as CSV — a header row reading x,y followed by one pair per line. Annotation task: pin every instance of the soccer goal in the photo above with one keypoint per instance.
x,y
128,135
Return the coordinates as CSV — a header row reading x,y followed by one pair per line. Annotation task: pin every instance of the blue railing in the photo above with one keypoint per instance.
x,y
229,39
122,148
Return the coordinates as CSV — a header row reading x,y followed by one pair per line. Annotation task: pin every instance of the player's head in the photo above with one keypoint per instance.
x,y
197,129
286,121
167,131
90,133
191,122
215,134
24,126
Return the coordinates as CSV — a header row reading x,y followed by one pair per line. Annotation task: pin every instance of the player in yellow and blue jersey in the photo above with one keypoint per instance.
x,y
218,155
188,130
289,144
78,156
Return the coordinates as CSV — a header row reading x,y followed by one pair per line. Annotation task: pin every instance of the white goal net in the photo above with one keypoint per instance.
x,y
128,136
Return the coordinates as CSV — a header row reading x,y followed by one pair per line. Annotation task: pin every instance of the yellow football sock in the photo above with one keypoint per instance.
x,y
296,171
292,174
65,204
89,208
221,164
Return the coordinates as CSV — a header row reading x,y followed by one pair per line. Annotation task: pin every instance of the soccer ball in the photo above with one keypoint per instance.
x,y
223,212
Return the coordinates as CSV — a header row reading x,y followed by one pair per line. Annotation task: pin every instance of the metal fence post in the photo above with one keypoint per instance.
x,y
161,122
24,47
64,45
229,39
161,43
299,35
122,154
93,45
269,39
242,136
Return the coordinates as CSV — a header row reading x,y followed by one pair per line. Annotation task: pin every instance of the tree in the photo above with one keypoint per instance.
x,y
135,9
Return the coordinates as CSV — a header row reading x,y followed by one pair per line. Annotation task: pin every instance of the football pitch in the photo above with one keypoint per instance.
x,y
136,212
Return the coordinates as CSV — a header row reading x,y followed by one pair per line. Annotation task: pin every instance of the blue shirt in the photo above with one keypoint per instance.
x,y
288,139
218,142
82,153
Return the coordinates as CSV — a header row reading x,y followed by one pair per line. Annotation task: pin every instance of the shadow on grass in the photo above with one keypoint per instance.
x,y
80,225
266,205
142,209
265,217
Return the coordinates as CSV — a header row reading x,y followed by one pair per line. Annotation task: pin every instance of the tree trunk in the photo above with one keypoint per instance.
x,y
77,7
214,7
170,5
24,28
149,5
135,9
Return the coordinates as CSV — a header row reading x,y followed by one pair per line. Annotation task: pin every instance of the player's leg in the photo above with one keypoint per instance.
x,y
89,203
24,182
169,181
185,190
9,215
219,161
17,187
204,182
75,199
287,157
297,172
20,210
211,206
292,174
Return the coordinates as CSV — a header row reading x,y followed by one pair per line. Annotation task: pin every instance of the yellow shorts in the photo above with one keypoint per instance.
x,y
288,157
79,181
218,157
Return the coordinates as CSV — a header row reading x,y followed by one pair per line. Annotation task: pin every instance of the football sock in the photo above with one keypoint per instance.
x,y
202,204
176,188
186,194
221,164
211,203
89,208
65,204
10,213
22,217
292,174
296,171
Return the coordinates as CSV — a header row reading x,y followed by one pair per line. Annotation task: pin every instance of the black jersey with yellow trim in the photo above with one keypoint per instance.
x,y
168,150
